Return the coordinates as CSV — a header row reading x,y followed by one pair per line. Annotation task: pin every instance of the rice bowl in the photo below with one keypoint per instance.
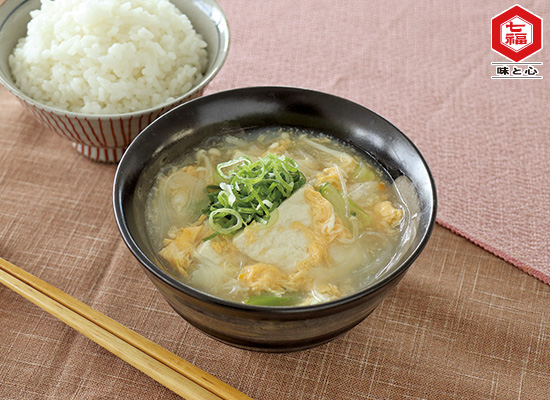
x,y
104,136
108,57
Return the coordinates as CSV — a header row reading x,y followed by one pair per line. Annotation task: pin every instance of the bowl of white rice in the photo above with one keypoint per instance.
x,y
99,71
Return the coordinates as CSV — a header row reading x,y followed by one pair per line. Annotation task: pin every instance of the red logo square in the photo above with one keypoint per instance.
x,y
516,33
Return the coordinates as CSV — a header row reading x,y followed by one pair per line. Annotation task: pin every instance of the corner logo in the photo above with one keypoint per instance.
x,y
516,33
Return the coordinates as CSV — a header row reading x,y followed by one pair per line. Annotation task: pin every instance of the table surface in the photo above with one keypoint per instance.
x,y
462,324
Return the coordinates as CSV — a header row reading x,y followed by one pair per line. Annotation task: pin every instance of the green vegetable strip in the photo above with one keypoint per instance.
x,y
329,192
361,215
344,206
364,173
251,191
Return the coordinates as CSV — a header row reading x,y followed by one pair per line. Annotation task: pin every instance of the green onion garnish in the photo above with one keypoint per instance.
x,y
251,191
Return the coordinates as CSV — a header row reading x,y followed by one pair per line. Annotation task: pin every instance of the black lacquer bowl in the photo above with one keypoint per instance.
x,y
241,110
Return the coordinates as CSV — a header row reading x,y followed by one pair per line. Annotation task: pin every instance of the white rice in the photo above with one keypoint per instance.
x,y
108,56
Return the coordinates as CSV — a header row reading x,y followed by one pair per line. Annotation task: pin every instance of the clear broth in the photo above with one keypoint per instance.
x,y
351,263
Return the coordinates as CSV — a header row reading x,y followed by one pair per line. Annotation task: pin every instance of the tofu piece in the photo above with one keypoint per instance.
x,y
206,251
219,251
284,244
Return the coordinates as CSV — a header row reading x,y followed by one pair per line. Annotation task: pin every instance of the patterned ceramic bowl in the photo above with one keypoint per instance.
x,y
105,137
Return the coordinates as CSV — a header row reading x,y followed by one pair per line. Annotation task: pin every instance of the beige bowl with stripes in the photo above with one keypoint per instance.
x,y
105,137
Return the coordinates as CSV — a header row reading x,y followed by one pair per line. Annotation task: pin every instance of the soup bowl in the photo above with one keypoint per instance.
x,y
104,137
240,111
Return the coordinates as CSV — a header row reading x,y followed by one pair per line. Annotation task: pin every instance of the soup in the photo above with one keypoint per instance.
x,y
281,218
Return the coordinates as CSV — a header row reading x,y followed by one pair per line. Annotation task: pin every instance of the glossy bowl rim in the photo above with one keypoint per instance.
x,y
224,37
273,311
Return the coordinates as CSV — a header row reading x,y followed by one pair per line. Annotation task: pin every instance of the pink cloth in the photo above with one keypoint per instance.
x,y
426,68
462,324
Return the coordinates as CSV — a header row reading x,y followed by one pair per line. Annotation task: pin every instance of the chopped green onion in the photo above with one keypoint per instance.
x,y
251,191
225,228
265,224
212,236
240,160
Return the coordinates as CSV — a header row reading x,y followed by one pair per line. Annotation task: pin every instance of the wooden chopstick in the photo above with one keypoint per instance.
x,y
178,375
